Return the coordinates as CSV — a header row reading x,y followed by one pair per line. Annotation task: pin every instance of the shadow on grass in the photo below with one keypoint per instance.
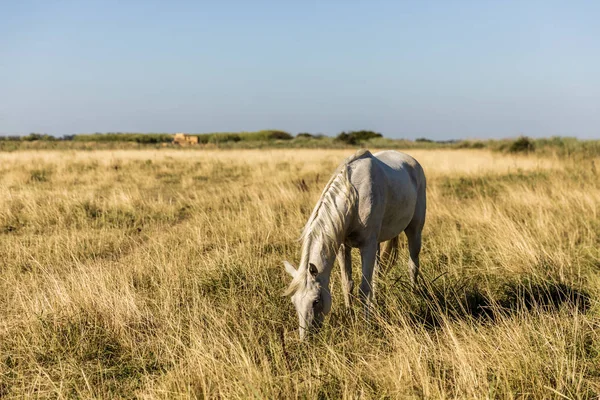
x,y
446,299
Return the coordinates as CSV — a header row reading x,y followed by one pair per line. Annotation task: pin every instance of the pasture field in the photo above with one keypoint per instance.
x,y
157,274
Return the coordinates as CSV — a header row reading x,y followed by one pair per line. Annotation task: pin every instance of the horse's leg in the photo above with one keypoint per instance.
x,y
386,257
388,254
413,233
376,274
368,256
344,257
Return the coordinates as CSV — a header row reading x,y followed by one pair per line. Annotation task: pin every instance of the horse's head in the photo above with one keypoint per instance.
x,y
310,296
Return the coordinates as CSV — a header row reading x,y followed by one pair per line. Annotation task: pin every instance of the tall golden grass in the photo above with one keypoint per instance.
x,y
157,274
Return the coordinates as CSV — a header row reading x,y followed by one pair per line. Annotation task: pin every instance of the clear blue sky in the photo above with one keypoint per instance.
x,y
439,69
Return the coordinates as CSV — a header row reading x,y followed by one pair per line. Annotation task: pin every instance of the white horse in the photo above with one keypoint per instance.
x,y
369,199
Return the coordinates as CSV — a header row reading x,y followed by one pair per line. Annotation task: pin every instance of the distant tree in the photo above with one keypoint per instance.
x,y
305,135
423,140
279,135
150,138
357,137
37,136
224,137
345,137
522,145
31,137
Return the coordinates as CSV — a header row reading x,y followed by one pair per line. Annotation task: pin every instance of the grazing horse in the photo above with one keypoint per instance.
x,y
370,199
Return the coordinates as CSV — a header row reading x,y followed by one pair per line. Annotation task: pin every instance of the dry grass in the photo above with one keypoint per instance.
x,y
157,274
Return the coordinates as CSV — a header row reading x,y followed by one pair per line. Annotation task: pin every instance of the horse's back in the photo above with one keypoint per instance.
x,y
389,185
399,163
403,164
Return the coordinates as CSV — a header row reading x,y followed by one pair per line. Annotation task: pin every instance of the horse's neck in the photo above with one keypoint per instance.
x,y
323,246
328,224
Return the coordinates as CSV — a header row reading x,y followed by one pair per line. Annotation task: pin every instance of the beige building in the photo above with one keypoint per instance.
x,y
183,140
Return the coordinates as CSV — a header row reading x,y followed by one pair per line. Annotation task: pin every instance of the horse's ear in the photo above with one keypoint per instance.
x,y
289,268
312,268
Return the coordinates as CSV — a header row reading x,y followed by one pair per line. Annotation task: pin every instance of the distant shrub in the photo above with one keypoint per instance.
x,y
478,145
304,135
449,141
522,145
568,147
10,138
344,137
234,137
278,135
153,138
383,142
146,138
468,144
423,140
265,135
37,136
357,137
224,137
203,138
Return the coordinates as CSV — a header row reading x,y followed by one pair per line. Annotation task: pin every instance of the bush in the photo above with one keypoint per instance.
x,y
522,145
346,138
568,147
37,136
224,137
265,135
203,138
123,137
153,138
468,144
278,135
357,137
304,135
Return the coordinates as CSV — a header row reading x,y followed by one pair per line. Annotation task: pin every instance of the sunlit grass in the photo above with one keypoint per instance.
x,y
157,274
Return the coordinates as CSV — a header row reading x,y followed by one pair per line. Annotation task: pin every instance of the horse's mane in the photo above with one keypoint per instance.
x,y
326,222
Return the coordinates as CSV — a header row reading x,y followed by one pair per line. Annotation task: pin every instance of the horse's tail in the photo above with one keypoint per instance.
x,y
388,254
